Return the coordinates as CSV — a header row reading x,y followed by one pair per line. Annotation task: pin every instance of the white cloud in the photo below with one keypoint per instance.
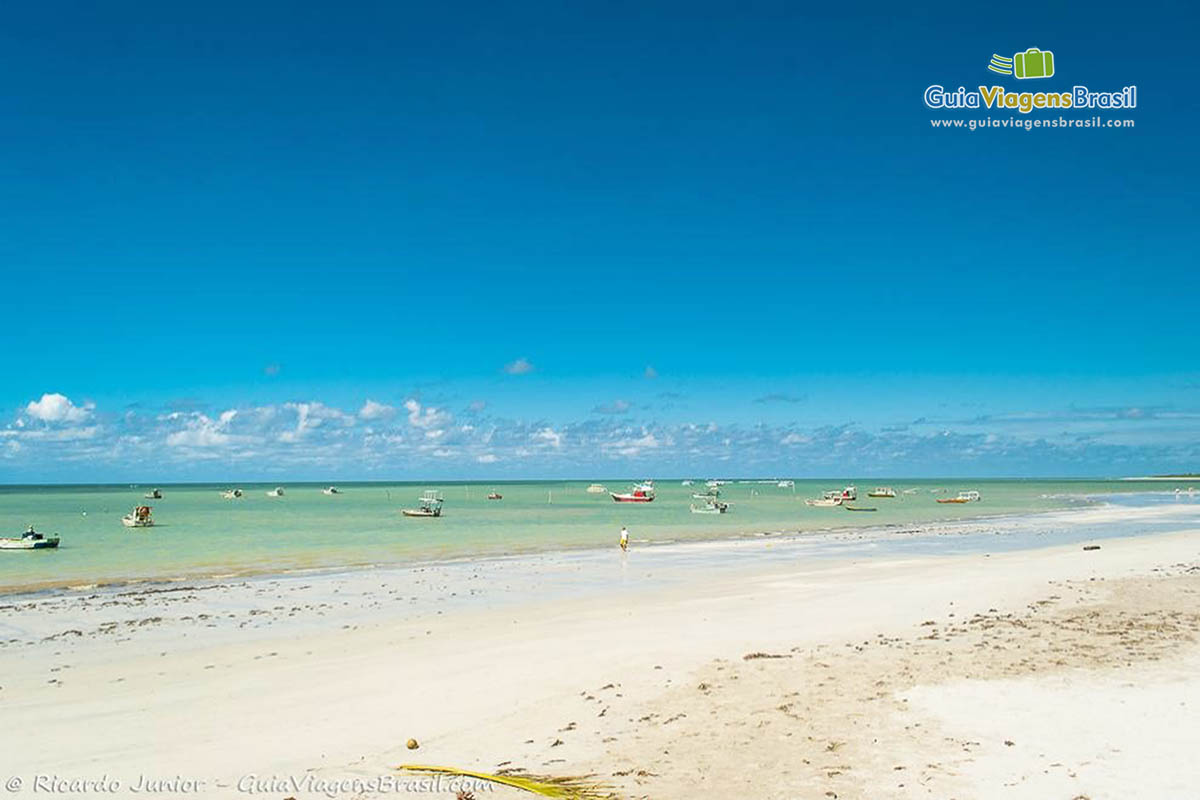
x,y
521,366
427,417
373,411
202,431
294,437
310,416
54,407
548,436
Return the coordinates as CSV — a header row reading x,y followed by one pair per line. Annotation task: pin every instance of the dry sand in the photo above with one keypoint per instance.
x,y
1049,673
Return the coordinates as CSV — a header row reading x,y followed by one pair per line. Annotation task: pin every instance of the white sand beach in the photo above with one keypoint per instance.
x,y
1048,672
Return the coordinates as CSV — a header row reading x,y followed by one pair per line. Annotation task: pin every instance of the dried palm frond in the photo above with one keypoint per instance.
x,y
581,787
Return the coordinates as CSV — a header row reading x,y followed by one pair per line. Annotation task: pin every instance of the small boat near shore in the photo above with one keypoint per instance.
x,y
709,495
858,508
641,493
963,497
495,496
276,492
834,498
882,491
232,494
331,490
29,540
138,518
429,505
596,488
711,507
824,502
153,494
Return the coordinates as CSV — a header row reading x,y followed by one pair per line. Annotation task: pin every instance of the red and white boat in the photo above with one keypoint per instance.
x,y
642,493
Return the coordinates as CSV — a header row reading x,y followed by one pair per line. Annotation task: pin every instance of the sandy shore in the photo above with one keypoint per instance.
x,y
1048,672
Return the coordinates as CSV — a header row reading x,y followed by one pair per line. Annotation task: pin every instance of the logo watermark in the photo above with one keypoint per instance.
x,y
1032,63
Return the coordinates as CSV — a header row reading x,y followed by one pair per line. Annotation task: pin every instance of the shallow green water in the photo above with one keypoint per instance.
x,y
199,533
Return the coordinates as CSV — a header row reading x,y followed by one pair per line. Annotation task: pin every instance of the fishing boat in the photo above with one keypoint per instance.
x,y
882,491
29,540
231,494
824,502
834,498
276,492
687,483
858,508
786,484
495,496
153,494
138,518
963,497
429,505
711,507
29,544
596,488
331,490
710,494
641,493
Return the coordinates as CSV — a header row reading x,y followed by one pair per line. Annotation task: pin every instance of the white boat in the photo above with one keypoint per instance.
x,y
276,492
153,494
231,494
882,491
29,544
834,498
30,540
709,495
596,488
641,493
429,505
825,502
711,507
331,490
687,483
138,518
963,497
786,484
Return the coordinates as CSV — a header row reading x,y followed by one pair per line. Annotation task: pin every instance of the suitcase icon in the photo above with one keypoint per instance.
x,y
1033,63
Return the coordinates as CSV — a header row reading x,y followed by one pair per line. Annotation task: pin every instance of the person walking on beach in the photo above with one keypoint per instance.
x,y
624,538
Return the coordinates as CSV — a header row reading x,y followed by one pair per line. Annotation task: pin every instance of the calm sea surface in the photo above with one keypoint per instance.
x,y
197,533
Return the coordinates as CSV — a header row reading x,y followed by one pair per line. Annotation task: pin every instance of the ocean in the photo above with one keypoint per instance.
x,y
200,534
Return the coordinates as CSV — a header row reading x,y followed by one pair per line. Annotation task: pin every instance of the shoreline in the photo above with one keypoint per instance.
x,y
831,533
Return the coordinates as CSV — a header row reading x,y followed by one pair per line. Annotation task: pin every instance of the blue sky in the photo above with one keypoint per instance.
x,y
722,238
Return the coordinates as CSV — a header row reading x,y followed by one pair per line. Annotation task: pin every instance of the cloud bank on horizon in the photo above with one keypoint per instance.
x,y
55,437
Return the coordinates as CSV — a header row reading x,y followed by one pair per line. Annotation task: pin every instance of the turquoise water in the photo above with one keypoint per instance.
x,y
197,533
